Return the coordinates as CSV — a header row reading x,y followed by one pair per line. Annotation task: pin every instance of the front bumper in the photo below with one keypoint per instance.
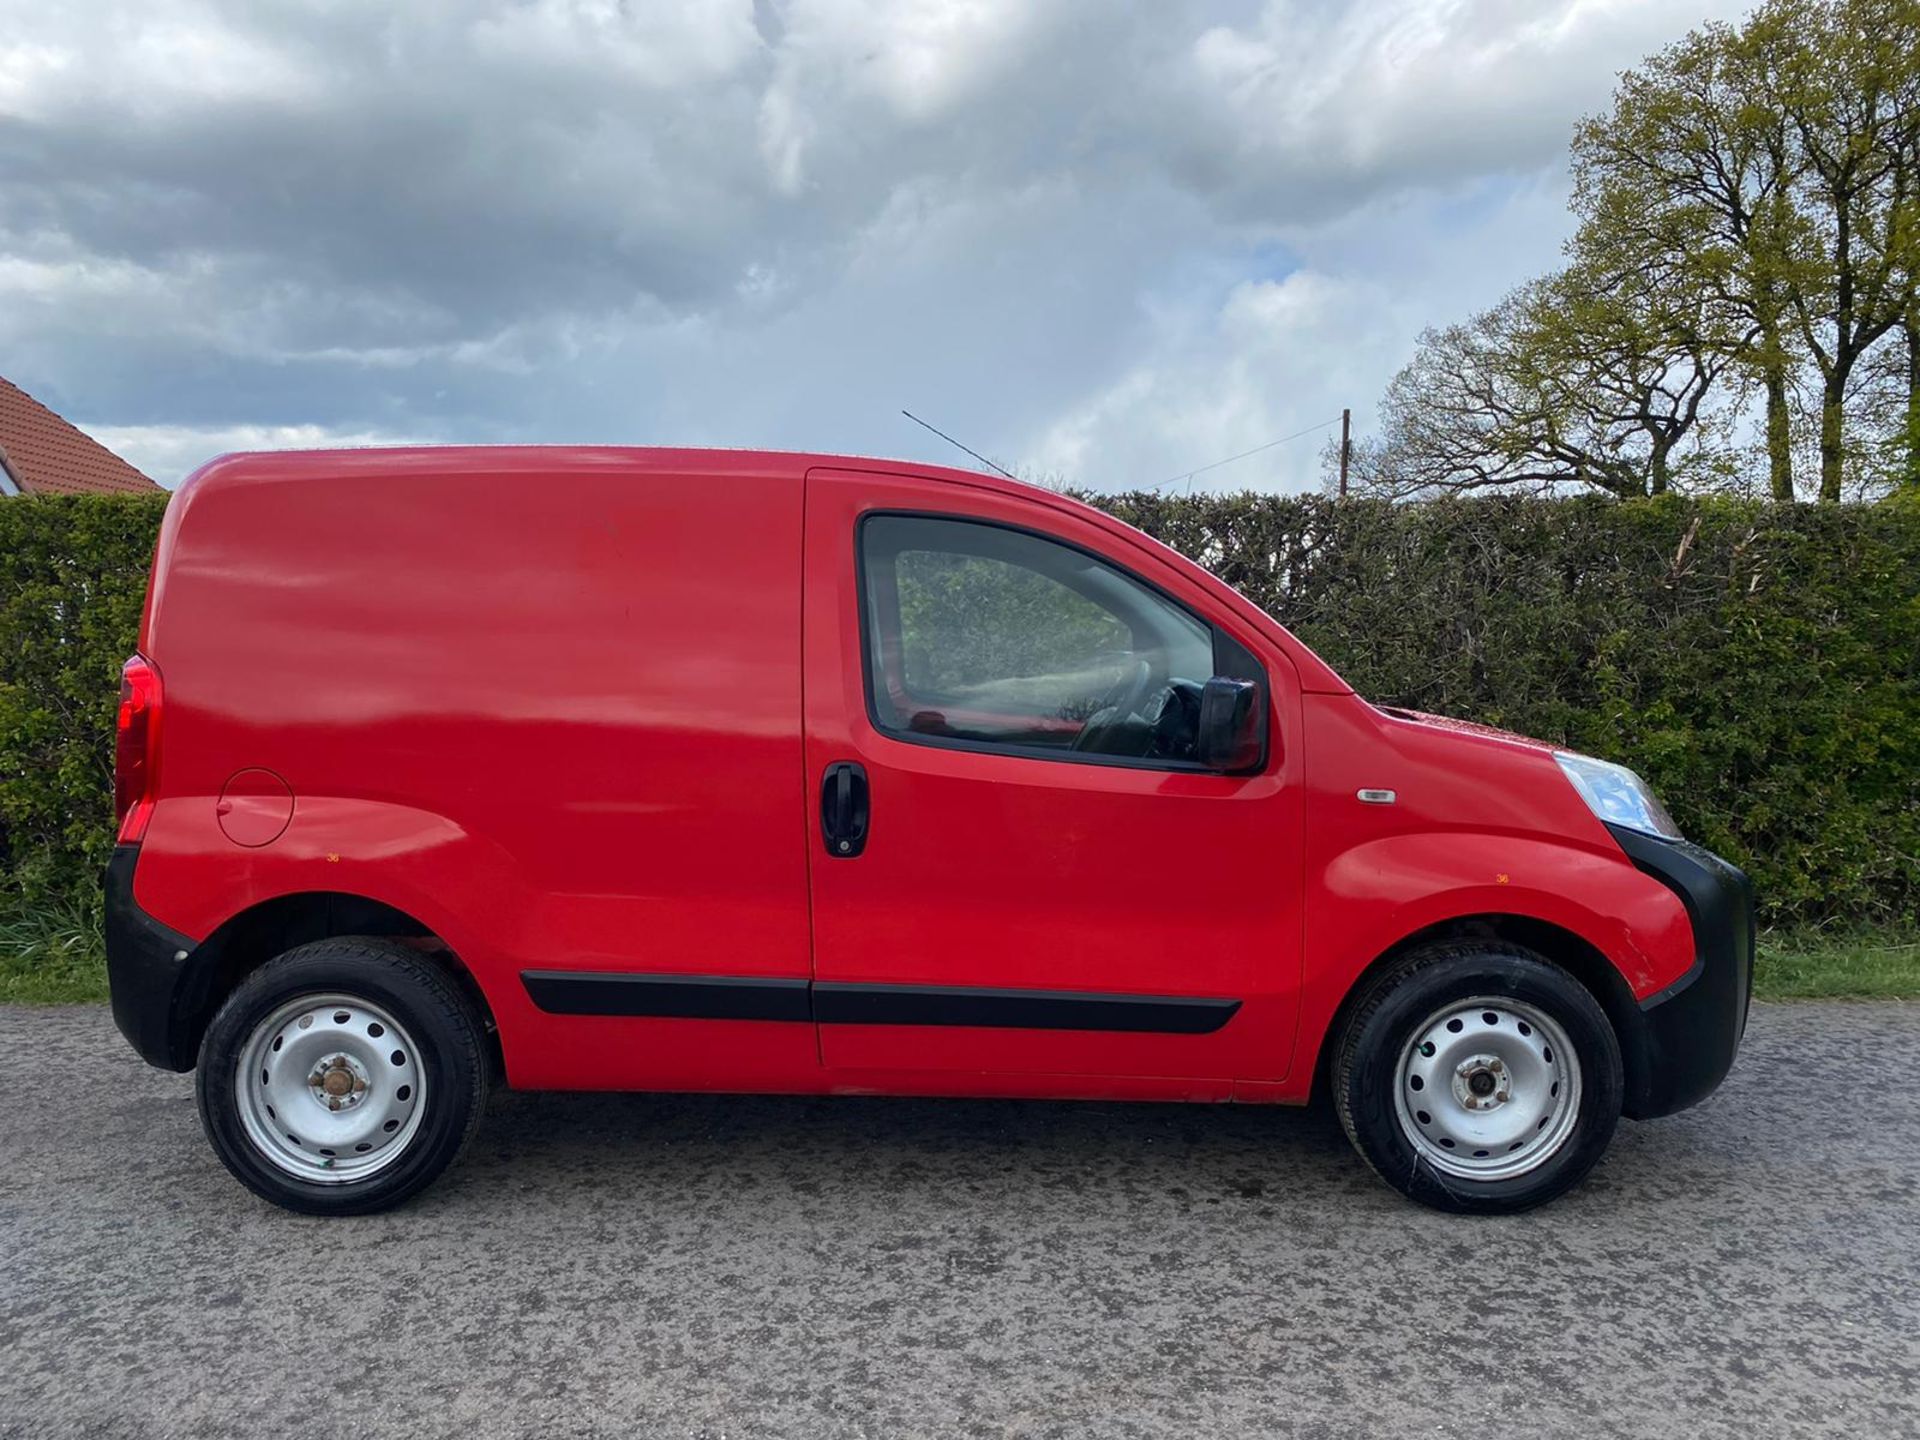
x,y
157,985
1681,1042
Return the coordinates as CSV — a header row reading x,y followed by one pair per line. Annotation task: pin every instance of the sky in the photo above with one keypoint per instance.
x,y
1102,244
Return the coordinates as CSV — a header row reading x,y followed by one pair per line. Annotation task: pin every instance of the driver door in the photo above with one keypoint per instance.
x,y
1045,882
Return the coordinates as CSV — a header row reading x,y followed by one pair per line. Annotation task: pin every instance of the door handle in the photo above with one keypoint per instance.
x,y
844,809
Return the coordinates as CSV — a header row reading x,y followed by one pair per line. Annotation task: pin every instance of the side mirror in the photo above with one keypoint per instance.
x,y
1233,725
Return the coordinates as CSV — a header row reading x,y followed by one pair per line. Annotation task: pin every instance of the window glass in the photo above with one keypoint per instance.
x,y
983,634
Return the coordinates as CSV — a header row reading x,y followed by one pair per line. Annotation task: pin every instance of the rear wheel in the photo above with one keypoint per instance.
x,y
342,1077
1478,1078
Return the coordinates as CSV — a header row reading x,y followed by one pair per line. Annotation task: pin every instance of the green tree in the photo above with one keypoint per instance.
x,y
1689,180
1846,75
1910,475
1749,210
1885,400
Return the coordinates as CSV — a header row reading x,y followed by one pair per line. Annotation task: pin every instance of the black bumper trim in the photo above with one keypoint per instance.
x,y
157,984
1682,1041
1693,974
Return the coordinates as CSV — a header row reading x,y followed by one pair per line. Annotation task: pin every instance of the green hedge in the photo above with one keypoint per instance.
x,y
73,574
1760,665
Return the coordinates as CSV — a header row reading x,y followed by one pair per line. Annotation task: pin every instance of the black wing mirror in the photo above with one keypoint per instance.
x,y
1233,725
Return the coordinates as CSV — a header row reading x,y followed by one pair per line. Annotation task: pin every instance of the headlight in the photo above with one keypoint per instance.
x,y
1617,795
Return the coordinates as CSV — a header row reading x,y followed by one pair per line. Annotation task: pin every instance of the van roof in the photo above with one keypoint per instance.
x,y
549,461
546,460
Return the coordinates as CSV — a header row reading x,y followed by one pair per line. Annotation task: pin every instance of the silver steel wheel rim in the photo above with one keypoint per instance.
x,y
1488,1088
330,1088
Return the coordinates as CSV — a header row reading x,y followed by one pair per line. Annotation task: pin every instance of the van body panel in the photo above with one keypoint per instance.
x,y
1481,823
997,871
533,699
572,709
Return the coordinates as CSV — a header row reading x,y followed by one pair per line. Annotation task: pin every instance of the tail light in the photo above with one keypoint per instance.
x,y
135,735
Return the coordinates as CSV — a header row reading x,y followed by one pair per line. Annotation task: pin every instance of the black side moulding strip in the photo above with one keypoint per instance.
x,y
680,997
835,1003
729,997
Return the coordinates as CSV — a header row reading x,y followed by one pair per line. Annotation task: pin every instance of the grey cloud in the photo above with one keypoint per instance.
x,y
763,221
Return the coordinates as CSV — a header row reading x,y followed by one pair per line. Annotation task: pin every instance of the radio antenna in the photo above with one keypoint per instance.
x,y
958,446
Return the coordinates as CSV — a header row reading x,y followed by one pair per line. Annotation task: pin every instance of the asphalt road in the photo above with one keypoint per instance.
x,y
678,1265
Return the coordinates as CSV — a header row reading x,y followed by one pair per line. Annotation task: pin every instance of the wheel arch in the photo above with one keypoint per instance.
x,y
247,940
1573,952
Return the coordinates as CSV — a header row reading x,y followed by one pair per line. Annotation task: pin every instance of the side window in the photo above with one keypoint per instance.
x,y
984,635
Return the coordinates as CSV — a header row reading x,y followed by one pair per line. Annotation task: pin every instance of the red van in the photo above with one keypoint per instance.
x,y
604,769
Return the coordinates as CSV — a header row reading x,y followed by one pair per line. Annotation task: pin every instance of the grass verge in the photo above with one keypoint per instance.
x,y
1859,964
53,955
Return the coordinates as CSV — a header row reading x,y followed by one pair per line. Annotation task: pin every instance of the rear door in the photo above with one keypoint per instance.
x,y
1017,867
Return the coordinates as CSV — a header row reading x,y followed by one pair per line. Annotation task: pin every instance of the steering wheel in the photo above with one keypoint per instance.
x,y
1117,704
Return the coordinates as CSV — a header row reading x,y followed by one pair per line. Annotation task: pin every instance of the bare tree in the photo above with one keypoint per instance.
x,y
1575,381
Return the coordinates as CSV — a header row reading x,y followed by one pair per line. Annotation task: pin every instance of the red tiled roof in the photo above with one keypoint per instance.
x,y
47,456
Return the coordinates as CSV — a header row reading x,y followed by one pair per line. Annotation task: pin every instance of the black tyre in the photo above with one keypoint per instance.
x,y
1478,1078
340,1078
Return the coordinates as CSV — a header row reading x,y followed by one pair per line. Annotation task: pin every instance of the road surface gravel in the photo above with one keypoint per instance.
x,y
739,1266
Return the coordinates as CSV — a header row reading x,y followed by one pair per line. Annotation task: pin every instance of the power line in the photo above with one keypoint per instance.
x,y
1201,470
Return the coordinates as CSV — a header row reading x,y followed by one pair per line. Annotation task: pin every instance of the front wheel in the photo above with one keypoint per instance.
x,y
1478,1078
341,1077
